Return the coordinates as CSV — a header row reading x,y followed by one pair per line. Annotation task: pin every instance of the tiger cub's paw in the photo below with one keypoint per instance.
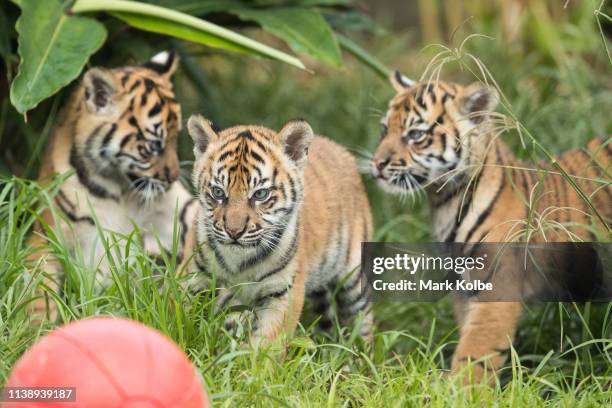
x,y
473,371
237,323
258,340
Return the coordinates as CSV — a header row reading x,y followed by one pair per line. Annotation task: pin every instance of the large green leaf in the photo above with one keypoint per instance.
x,y
198,7
304,30
171,22
201,7
53,48
181,31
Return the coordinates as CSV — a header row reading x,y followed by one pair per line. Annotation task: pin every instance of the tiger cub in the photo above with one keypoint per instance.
x,y
438,137
117,135
283,216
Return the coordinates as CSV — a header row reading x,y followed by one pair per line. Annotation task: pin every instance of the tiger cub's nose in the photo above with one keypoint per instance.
x,y
171,174
380,164
235,232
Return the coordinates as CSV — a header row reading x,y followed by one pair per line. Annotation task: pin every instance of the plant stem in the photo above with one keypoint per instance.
x,y
358,52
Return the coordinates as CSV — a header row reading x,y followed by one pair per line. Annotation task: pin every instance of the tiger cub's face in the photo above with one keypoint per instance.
x,y
430,133
127,125
250,181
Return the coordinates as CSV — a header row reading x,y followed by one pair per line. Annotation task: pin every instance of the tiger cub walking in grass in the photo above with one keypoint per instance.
x,y
118,136
439,137
284,215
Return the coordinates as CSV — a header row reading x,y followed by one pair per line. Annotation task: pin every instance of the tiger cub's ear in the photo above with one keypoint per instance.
x,y
295,137
100,91
400,83
164,63
478,100
202,132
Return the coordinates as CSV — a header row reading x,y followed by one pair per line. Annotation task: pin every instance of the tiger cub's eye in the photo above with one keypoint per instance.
x,y
416,134
262,194
217,193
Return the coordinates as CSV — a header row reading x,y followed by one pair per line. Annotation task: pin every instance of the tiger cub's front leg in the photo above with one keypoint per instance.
x,y
278,309
486,336
235,320
43,307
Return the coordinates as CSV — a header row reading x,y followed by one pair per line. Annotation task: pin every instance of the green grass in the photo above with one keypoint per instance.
x,y
564,351
562,355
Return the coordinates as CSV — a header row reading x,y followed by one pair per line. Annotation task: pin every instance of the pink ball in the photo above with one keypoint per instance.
x,y
110,363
